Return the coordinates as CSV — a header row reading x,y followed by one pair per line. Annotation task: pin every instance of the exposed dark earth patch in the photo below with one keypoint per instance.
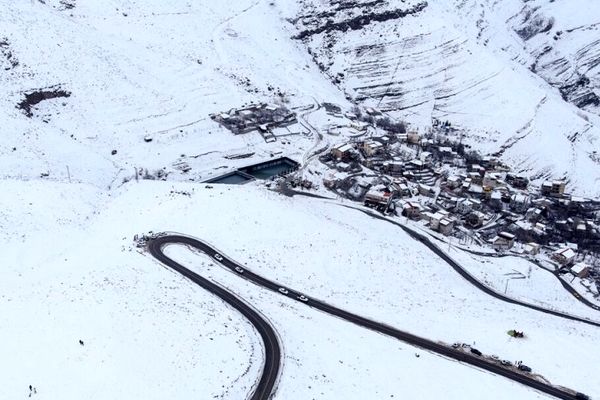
x,y
38,95
62,4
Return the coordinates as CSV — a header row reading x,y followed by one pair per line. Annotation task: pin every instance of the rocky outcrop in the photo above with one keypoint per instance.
x,y
533,22
470,62
8,60
367,13
565,56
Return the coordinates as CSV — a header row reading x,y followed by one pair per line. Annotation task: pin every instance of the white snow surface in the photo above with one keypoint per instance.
x,y
156,69
150,333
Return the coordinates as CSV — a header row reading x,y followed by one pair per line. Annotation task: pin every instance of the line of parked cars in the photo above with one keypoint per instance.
x,y
300,297
282,290
494,357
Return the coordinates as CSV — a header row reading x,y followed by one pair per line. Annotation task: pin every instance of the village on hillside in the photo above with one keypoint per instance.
x,y
433,178
434,181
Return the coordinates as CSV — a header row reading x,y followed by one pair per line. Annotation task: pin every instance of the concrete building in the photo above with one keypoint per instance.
x,y
534,214
435,219
371,148
425,190
411,210
400,188
517,181
489,162
464,206
531,248
475,190
416,164
493,180
342,152
558,187
555,188
343,167
475,177
373,111
564,256
446,226
378,198
359,125
329,181
504,241
580,270
496,200
394,168
426,157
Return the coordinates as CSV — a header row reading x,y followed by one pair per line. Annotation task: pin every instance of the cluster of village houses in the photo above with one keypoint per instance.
x,y
428,178
433,178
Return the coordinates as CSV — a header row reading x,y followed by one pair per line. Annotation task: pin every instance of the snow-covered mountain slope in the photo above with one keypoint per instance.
x,y
558,40
133,69
94,91
464,61
124,70
159,68
149,333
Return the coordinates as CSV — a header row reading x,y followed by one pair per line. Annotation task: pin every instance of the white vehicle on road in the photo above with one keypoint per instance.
x,y
283,290
219,257
303,298
240,270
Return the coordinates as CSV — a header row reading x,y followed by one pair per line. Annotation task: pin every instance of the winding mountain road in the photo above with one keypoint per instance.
x,y
470,278
265,387
272,361
555,273
427,241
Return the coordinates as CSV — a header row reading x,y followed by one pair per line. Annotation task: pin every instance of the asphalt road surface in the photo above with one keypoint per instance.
x,y
575,293
264,389
272,362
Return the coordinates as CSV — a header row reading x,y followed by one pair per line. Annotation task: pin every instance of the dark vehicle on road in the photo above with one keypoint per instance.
x,y
475,351
524,368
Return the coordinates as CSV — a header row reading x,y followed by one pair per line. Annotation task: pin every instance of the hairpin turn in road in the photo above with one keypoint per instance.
x,y
265,387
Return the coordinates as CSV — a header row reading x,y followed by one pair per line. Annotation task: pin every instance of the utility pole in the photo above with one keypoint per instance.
x,y
506,286
69,174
